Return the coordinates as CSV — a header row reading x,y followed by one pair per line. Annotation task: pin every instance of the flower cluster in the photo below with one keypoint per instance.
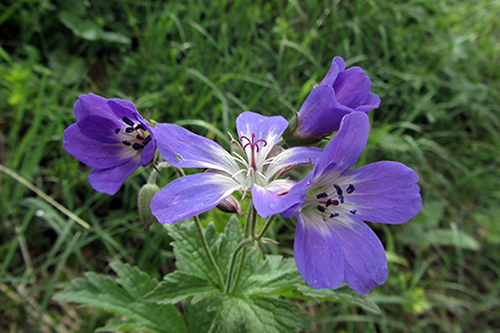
x,y
333,244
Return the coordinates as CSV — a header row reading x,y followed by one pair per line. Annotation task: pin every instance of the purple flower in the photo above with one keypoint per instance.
x,y
111,137
254,167
340,93
332,242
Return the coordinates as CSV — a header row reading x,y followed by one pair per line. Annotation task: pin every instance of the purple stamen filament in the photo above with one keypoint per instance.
x,y
253,147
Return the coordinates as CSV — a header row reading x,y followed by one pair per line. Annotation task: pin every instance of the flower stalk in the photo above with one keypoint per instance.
x,y
199,228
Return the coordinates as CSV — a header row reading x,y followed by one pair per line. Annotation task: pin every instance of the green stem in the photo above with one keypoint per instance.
x,y
264,229
240,246
251,220
199,228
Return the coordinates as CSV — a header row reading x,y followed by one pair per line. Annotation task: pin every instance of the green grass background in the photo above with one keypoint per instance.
x,y
434,64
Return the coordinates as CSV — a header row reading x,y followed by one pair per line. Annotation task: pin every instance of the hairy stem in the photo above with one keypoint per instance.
x,y
250,221
264,229
240,246
199,228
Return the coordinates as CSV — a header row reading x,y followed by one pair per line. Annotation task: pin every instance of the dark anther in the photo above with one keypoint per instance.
x,y
137,146
139,137
334,215
322,195
117,130
339,190
341,198
129,129
147,140
328,202
353,211
126,143
128,121
140,127
321,208
350,188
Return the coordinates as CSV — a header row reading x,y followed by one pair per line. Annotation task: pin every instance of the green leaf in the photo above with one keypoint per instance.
x,y
280,277
189,252
88,29
232,236
449,237
272,273
261,314
178,286
123,298
197,317
340,295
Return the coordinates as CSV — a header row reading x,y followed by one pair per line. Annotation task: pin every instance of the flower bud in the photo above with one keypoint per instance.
x,y
340,93
230,205
145,195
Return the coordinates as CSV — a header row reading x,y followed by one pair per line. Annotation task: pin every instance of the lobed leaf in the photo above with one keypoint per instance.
x,y
100,292
178,286
261,314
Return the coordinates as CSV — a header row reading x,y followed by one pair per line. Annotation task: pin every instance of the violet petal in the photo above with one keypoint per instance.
x,y
88,105
110,180
320,114
344,149
385,192
318,253
271,199
93,153
191,195
184,149
352,87
365,260
100,128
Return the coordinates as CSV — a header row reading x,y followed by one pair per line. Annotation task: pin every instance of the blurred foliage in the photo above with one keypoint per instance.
x,y
434,64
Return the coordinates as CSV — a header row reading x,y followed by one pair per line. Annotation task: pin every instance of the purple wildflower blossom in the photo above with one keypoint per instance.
x,y
340,93
111,137
332,242
255,168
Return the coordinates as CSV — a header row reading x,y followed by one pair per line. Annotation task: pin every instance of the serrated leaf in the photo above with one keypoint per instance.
x,y
229,241
135,282
189,252
198,318
100,292
340,295
261,314
272,273
178,286
278,276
